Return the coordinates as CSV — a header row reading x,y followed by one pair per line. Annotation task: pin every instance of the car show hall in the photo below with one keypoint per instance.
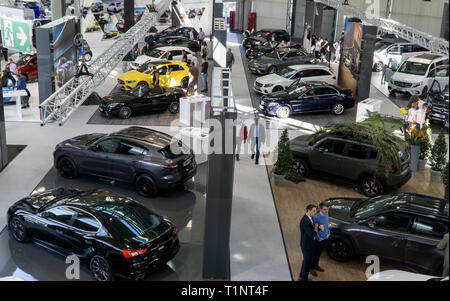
x,y
236,140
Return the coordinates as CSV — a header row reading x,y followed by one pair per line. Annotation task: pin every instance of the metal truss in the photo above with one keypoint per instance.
x,y
61,104
434,44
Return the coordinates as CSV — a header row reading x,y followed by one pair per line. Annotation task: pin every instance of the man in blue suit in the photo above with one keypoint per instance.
x,y
307,233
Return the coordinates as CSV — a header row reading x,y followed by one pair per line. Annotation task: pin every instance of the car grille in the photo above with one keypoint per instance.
x,y
259,85
121,82
402,84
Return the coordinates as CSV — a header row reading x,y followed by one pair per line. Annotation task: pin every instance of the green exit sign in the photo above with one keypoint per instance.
x,y
17,34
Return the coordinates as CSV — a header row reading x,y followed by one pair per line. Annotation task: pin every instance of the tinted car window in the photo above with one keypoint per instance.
x,y
173,68
392,221
131,148
320,72
109,145
85,222
174,150
325,91
61,214
428,227
332,146
357,151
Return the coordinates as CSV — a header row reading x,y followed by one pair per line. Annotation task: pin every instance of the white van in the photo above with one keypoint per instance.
x,y
414,74
384,51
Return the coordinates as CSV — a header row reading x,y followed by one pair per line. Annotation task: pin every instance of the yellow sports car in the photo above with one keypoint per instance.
x,y
171,74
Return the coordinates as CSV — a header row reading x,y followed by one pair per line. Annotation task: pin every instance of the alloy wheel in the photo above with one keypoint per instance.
x,y
125,112
339,250
299,168
145,187
17,229
66,168
100,269
283,112
173,107
338,109
371,187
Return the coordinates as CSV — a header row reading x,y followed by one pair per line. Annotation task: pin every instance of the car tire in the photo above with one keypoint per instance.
x,y
18,229
145,186
301,167
371,187
125,112
142,84
424,92
277,89
174,107
272,69
340,248
87,57
67,168
184,82
338,108
392,93
283,112
100,268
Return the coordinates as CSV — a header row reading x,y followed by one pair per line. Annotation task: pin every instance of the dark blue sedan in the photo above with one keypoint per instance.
x,y
303,97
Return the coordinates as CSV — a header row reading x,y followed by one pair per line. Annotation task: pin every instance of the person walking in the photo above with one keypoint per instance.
x,y
192,35
257,137
146,49
321,239
383,74
229,59
193,80
307,233
12,66
337,51
4,51
22,85
443,245
205,66
205,49
201,36
241,136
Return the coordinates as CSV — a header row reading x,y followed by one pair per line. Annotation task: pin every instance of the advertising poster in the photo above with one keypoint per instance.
x,y
65,53
350,63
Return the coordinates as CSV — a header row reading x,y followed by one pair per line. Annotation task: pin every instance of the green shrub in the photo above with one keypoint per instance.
x,y
295,177
445,174
285,158
438,153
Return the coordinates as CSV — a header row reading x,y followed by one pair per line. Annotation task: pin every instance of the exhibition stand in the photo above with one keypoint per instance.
x,y
15,95
192,110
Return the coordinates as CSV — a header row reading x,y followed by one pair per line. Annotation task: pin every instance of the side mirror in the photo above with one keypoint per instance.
x,y
94,148
371,224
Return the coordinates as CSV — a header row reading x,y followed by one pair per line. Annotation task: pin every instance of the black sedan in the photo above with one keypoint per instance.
x,y
174,31
302,97
113,234
438,102
142,99
267,47
404,228
151,160
178,41
259,37
278,59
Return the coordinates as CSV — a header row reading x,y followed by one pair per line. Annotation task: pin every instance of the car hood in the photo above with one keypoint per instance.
x,y
339,208
270,79
300,141
265,60
132,75
142,59
408,78
118,98
80,141
397,275
276,96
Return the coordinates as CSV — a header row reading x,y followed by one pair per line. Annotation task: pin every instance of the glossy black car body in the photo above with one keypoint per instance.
x,y
304,97
438,110
177,41
113,234
174,31
149,159
333,155
266,48
278,59
142,99
261,36
404,228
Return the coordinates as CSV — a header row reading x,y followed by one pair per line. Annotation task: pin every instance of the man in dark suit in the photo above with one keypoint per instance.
x,y
307,233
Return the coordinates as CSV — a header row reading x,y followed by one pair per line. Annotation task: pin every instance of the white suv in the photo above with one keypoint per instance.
x,y
414,74
162,53
384,51
115,7
285,77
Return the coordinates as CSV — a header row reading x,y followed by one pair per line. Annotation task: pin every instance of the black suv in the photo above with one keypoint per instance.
x,y
404,228
438,104
345,158
259,37
151,160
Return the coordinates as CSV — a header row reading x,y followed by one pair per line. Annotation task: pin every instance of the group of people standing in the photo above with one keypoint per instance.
x,y
417,112
13,80
256,135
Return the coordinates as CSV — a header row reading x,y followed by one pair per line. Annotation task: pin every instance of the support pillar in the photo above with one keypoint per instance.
x,y
219,39
58,9
175,15
445,23
3,150
128,14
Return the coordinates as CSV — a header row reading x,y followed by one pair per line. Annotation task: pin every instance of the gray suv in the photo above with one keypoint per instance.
x,y
278,59
151,160
350,160
404,228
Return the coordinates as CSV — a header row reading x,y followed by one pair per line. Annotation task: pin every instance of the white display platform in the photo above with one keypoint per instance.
x,y
192,110
369,104
198,140
15,95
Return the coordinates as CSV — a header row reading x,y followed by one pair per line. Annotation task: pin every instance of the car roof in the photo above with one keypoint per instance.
x,y
147,136
426,58
312,84
424,205
309,66
169,48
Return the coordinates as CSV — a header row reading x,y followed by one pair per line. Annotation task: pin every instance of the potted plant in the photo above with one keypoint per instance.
x,y
284,160
444,177
425,145
437,158
413,137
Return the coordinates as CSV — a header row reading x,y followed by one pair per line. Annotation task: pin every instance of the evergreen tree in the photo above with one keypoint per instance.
x,y
284,161
438,153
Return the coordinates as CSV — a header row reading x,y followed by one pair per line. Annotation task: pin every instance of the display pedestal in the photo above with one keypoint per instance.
x,y
15,96
198,140
369,104
192,110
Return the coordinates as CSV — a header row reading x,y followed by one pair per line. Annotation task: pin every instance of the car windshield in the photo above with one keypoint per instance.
x,y
139,91
286,72
378,205
414,68
146,68
156,53
174,150
275,55
297,88
131,220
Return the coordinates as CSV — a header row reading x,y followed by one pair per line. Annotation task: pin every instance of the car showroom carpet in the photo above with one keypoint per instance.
x,y
184,207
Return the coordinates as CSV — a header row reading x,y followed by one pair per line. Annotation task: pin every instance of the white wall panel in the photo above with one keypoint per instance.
x,y
270,13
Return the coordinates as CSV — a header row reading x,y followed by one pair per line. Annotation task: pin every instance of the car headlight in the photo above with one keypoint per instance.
x,y
272,104
417,84
112,105
332,225
312,61
268,85
130,81
257,43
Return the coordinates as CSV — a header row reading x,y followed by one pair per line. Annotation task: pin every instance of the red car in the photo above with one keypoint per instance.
x,y
29,68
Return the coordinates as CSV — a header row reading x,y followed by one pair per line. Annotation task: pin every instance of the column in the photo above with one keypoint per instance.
x,y
219,35
3,151
128,14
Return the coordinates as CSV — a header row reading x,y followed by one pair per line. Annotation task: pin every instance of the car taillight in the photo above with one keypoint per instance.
x,y
334,76
394,169
133,253
174,231
171,166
